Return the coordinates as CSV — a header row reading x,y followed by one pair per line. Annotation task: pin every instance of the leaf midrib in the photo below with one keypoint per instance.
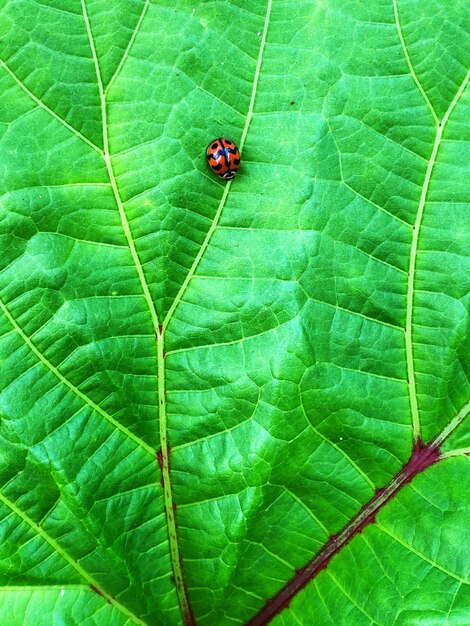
x,y
367,515
158,331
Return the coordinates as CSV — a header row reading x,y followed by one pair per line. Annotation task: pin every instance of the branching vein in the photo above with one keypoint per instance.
x,y
413,256
215,221
68,384
112,178
129,46
70,560
164,448
410,65
46,108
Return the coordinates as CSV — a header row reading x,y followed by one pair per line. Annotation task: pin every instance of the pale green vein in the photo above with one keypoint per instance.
x,y
343,368
165,451
234,342
71,561
131,243
46,187
408,61
450,610
275,556
41,104
364,538
129,46
339,450
307,510
413,256
148,191
319,594
382,136
368,200
354,191
223,199
198,258
72,387
209,93
456,98
294,616
464,452
112,178
257,73
420,555
222,498
225,431
101,244
245,338
306,232
350,598
411,287
452,425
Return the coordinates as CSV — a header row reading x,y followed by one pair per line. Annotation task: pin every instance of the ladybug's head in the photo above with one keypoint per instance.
x,y
229,175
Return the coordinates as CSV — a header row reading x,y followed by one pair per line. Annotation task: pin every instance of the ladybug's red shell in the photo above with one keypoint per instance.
x,y
223,157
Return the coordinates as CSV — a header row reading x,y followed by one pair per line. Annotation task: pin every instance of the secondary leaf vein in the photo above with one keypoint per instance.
x,y
215,221
413,256
70,385
165,451
129,46
44,106
70,560
419,554
409,63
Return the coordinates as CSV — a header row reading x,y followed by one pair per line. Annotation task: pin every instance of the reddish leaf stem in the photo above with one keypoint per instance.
x,y
423,456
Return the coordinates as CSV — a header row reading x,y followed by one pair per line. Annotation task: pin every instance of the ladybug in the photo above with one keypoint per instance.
x,y
223,157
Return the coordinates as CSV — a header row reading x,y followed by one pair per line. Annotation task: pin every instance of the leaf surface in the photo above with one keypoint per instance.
x,y
234,403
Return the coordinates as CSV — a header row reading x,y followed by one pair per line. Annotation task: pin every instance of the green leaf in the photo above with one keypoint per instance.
x,y
231,403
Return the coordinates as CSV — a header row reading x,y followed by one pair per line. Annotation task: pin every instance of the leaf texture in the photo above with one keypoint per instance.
x,y
234,403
